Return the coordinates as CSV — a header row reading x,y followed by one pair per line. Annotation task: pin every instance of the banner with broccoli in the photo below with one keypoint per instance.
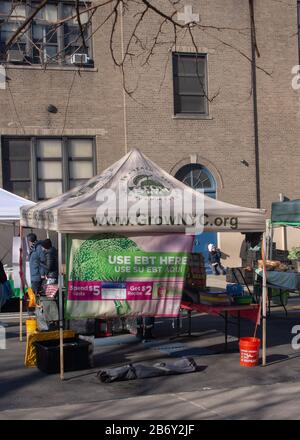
x,y
111,275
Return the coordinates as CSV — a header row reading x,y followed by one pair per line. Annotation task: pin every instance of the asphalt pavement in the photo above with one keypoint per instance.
x,y
220,389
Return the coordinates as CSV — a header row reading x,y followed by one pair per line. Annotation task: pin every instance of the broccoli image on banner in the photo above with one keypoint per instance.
x,y
91,258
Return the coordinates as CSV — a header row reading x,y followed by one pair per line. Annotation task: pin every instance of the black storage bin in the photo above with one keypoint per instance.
x,y
76,355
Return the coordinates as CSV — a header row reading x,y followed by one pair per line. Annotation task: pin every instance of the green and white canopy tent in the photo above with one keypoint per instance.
x,y
146,184
284,214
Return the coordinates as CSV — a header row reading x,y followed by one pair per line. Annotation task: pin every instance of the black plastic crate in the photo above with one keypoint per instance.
x,y
280,255
239,275
76,355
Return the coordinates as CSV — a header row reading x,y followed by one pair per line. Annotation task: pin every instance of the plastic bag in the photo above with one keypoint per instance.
x,y
131,325
31,296
41,320
235,289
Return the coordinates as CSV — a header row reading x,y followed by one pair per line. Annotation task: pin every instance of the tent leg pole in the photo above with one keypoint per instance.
x,y
264,306
22,286
270,255
21,318
61,315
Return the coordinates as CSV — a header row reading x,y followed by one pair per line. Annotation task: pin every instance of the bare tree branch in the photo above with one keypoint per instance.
x,y
139,45
80,24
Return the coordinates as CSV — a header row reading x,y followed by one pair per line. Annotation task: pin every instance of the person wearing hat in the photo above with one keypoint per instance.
x,y
37,261
49,304
51,263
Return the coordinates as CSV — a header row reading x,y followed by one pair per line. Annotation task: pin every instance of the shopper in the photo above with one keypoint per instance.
x,y
48,300
5,289
251,249
51,264
37,263
214,258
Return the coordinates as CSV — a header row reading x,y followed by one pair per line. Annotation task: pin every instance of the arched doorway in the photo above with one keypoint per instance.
x,y
200,178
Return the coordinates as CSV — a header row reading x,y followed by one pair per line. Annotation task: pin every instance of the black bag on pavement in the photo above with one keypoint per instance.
x,y
141,371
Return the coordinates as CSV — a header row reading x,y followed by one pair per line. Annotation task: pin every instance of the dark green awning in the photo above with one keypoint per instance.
x,y
286,213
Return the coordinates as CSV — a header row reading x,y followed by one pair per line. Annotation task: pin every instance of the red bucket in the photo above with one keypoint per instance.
x,y
249,352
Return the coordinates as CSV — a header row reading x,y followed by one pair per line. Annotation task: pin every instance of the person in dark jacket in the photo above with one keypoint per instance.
x,y
3,277
37,261
51,264
5,289
50,306
214,258
251,249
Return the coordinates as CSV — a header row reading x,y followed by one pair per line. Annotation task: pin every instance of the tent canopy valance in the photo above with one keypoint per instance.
x,y
286,213
146,184
10,205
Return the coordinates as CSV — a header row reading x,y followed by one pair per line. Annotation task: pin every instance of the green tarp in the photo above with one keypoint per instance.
x,y
286,213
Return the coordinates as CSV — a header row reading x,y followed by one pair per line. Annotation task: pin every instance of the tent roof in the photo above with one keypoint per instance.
x,y
10,206
147,184
286,213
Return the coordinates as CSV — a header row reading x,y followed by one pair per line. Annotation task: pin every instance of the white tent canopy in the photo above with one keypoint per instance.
x,y
146,184
10,205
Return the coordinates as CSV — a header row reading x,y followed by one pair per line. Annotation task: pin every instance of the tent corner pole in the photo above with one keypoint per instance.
x,y
283,229
22,286
264,306
61,305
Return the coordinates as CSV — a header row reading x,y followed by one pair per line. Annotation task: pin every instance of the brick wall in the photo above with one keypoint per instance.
x,y
220,141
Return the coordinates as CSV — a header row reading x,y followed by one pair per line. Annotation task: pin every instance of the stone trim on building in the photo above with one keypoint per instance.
x,y
196,158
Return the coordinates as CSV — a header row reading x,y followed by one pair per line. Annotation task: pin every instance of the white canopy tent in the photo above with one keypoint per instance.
x,y
146,184
10,205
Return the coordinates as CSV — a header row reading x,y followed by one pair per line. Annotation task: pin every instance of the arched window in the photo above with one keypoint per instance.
x,y
198,177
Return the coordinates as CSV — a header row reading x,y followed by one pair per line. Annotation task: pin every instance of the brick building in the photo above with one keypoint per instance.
x,y
223,129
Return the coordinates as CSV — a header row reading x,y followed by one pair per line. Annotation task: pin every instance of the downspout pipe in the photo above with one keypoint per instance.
x,y
254,52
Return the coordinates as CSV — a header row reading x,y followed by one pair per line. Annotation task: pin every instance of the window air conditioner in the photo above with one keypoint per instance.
x,y
15,56
79,58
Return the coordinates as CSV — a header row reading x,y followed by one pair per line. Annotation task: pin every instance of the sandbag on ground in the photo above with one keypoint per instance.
x,y
141,371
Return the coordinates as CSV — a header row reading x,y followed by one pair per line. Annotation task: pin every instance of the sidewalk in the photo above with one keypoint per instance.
x,y
278,401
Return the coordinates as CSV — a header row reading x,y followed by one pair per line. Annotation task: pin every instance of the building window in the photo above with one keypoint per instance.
x,y
42,168
190,83
45,35
11,18
44,40
16,167
197,177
